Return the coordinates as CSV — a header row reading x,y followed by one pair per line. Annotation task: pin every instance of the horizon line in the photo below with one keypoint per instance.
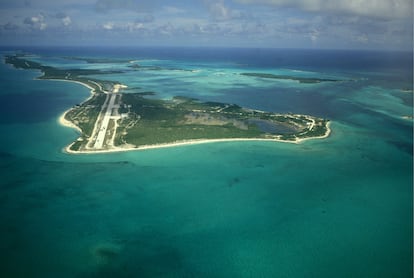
x,y
408,50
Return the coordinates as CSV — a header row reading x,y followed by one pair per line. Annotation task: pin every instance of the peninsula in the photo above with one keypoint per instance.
x,y
110,120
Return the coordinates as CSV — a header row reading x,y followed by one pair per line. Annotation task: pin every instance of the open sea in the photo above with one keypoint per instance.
x,y
335,207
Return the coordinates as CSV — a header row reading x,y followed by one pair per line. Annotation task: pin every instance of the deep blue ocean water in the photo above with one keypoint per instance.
x,y
338,207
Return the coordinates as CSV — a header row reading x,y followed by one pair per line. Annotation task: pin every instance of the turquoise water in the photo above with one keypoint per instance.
x,y
339,207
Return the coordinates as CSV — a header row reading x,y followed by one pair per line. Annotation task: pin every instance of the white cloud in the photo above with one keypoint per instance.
x,y
362,38
108,25
373,8
133,26
278,23
66,21
34,19
314,35
36,22
123,26
64,18
219,11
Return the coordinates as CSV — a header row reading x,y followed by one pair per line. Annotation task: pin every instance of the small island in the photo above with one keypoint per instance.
x,y
110,120
309,80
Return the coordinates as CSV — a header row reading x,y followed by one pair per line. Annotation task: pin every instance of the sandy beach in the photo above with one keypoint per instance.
x,y
126,148
66,123
62,120
191,142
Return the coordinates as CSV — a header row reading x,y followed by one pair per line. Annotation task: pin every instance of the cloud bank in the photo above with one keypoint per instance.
x,y
36,22
386,9
368,24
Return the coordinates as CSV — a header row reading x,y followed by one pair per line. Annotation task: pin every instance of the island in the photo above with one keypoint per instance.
x,y
111,120
309,80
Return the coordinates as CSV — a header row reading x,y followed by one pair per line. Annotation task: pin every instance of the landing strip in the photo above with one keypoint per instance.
x,y
102,130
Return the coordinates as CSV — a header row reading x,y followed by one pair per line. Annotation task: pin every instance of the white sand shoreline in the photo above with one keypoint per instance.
x,y
62,121
92,90
66,123
192,142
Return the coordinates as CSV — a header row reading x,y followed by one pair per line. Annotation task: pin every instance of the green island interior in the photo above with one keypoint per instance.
x,y
110,119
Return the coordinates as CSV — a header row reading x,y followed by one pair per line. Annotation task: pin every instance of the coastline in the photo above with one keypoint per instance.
x,y
192,142
124,148
62,121
92,90
129,147
326,135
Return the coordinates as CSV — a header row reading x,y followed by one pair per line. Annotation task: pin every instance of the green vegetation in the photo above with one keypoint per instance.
x,y
309,80
76,145
80,75
152,121
147,121
318,130
85,115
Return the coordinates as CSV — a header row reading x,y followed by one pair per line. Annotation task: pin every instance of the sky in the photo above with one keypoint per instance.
x,y
325,24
